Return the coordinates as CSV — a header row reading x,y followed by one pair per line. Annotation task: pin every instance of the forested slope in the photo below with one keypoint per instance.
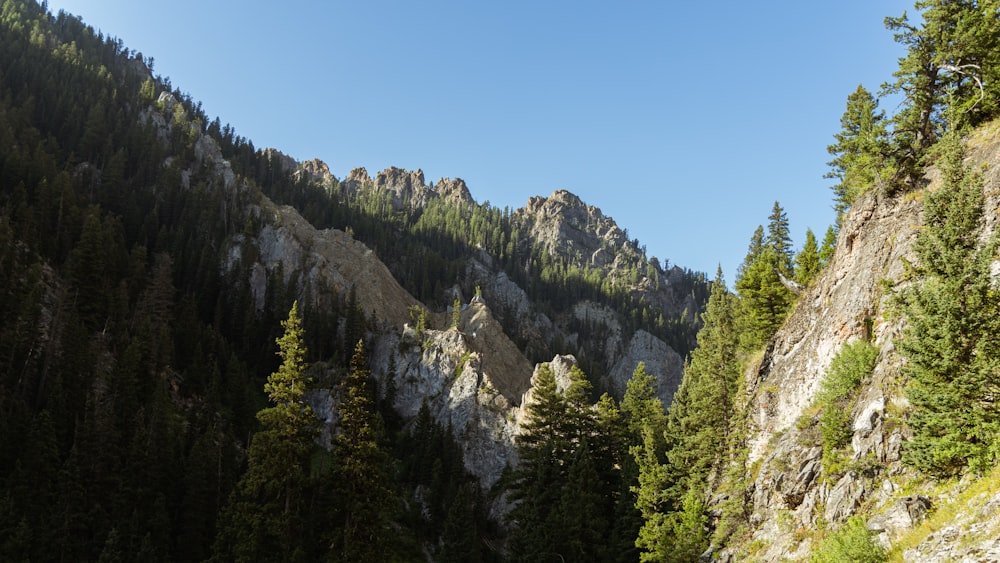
x,y
149,257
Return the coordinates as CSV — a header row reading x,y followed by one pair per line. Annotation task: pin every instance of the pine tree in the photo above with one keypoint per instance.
x,y
828,247
361,471
640,405
264,516
699,428
952,58
861,152
456,313
655,538
765,301
951,340
807,262
754,250
536,484
700,424
779,239
554,452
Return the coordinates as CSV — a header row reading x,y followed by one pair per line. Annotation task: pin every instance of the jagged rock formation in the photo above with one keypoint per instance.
x,y
661,361
851,300
567,227
406,188
560,226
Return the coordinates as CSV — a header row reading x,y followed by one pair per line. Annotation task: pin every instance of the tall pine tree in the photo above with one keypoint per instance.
x,y
861,152
361,471
951,342
264,516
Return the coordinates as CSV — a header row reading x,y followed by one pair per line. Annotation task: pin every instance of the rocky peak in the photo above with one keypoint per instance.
x,y
453,191
399,181
315,170
566,226
357,178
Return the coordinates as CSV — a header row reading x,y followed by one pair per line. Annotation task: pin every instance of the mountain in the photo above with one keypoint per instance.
x,y
215,352
148,257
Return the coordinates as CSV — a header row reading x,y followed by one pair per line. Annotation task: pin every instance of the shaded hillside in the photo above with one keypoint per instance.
x,y
148,256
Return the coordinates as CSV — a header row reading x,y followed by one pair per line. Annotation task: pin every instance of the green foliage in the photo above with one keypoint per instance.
x,y
690,528
807,262
779,239
700,435
456,313
951,341
853,542
852,365
418,316
640,405
700,416
764,300
654,539
265,514
360,475
849,368
565,487
828,247
861,153
948,69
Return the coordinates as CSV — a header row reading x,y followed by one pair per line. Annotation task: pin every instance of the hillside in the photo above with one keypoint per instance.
x,y
799,491
148,257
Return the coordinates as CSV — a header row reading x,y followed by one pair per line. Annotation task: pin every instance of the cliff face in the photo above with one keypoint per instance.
x,y
790,494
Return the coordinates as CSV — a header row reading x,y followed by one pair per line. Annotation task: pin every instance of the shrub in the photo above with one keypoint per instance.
x,y
853,542
852,365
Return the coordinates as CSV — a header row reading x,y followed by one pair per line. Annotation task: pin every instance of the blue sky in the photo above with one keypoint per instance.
x,y
684,121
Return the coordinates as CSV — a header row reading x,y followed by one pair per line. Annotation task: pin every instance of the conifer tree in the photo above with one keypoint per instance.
x,y
779,239
640,405
699,428
361,471
536,483
828,247
655,538
555,452
807,262
700,424
952,58
765,301
264,517
952,341
861,152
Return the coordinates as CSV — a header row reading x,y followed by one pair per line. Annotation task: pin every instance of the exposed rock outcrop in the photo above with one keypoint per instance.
x,y
471,378
319,261
661,361
851,300
453,191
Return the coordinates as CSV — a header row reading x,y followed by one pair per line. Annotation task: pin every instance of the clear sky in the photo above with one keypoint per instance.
x,y
684,121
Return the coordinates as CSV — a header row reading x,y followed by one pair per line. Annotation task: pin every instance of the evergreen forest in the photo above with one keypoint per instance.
x,y
154,408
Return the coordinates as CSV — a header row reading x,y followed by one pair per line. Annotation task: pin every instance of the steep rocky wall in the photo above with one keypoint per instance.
x,y
471,378
852,299
329,258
